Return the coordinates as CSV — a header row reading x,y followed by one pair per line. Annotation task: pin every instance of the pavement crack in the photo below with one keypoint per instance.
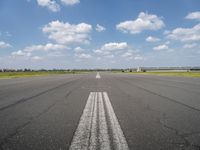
x,y
166,85
31,119
191,133
34,96
183,136
165,97
19,128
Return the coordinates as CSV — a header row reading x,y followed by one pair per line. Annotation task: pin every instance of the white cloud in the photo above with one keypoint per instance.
x,y
4,44
80,53
185,34
98,51
128,54
56,54
50,4
194,16
83,55
36,58
192,45
116,50
70,2
100,28
138,57
66,33
20,53
161,47
109,50
79,50
27,51
167,42
109,56
166,32
152,39
132,54
144,21
114,46
47,47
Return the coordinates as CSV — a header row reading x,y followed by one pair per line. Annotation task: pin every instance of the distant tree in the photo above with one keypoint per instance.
x,y
143,70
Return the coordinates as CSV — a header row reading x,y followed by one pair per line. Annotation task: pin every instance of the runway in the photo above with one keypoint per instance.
x,y
100,111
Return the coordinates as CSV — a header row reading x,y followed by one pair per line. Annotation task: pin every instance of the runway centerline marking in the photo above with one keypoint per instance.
x,y
98,76
97,120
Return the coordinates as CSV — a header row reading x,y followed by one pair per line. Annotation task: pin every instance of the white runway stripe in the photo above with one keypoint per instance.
x,y
82,135
118,136
92,131
103,128
98,76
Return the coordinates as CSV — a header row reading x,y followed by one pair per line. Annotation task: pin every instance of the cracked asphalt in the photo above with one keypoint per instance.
x,y
154,112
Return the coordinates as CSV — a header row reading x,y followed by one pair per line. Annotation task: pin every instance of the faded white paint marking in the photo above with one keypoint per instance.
x,y
118,136
82,135
103,127
92,131
98,76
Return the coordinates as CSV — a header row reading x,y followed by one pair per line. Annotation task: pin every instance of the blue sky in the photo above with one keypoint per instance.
x,y
99,33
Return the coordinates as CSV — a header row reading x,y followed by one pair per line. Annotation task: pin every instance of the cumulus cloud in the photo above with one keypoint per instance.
x,y
4,44
99,52
66,33
116,50
161,47
194,16
36,58
185,34
50,4
100,28
188,46
114,46
80,53
46,47
79,50
166,32
128,54
152,39
144,21
110,48
27,51
70,2
109,56
56,54
83,56
132,54
20,53
138,57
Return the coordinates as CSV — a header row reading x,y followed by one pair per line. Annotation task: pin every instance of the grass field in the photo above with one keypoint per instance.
x,y
179,74
34,73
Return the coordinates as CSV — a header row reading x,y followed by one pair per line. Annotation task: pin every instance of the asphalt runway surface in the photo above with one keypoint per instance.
x,y
100,111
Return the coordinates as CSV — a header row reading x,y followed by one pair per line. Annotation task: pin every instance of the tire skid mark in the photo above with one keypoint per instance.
x,y
34,96
165,97
30,120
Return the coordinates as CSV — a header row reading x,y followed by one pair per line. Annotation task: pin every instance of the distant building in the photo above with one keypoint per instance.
x,y
139,69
